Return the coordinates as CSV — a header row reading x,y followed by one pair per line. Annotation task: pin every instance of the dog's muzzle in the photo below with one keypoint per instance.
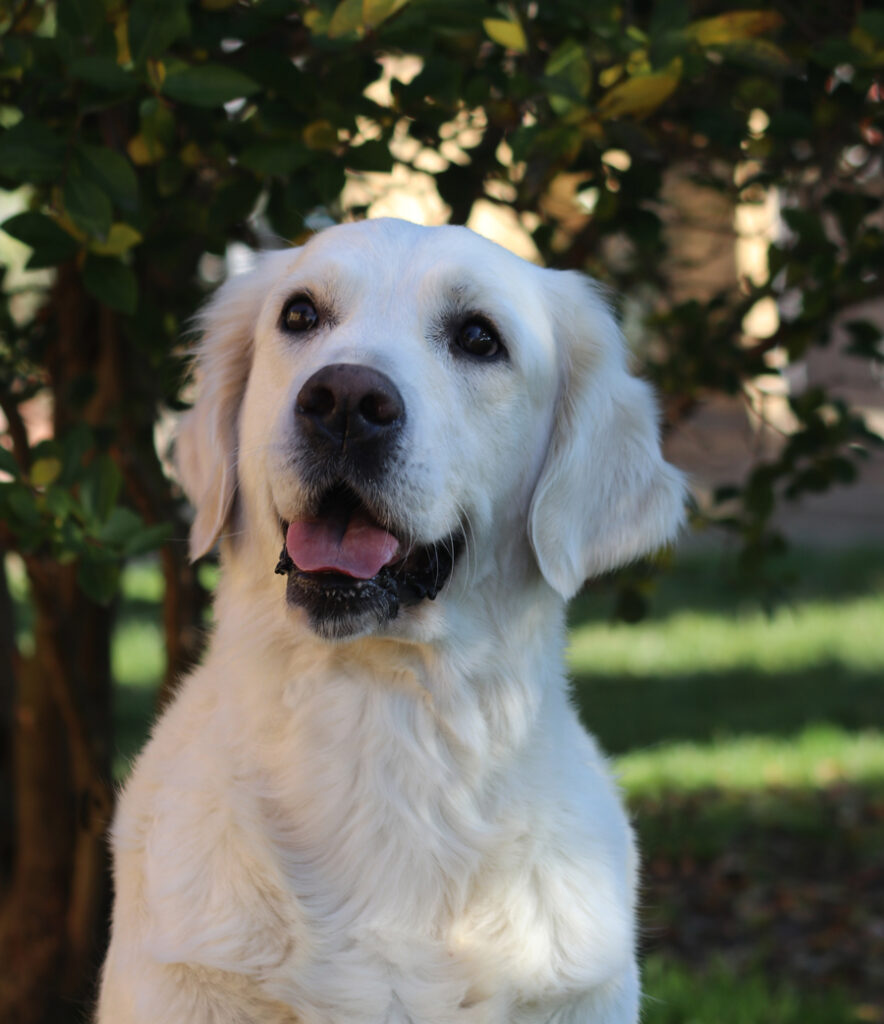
x,y
347,562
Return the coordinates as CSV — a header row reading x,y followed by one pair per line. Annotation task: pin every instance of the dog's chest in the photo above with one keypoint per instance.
x,y
379,840
372,816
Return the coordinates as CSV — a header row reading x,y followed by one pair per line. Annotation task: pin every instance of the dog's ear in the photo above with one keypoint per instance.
x,y
604,496
206,447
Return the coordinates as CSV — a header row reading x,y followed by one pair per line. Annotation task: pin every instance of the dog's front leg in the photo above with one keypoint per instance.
x,y
183,994
615,1002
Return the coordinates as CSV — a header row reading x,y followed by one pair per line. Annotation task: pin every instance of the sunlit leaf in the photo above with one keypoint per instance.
x,y
727,28
374,12
45,471
144,151
346,20
641,95
507,33
121,35
120,238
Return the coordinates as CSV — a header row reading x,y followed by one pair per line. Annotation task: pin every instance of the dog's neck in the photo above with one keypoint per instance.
x,y
456,658
431,735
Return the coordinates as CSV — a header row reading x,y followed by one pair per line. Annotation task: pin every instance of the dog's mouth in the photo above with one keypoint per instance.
x,y
350,571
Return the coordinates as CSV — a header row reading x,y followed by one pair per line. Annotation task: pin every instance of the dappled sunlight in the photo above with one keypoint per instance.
x,y
795,636
817,756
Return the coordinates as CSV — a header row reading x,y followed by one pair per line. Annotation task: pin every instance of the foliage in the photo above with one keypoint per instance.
x,y
150,134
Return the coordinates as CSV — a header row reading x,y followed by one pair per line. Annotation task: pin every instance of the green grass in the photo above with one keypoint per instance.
x,y
820,755
715,689
718,994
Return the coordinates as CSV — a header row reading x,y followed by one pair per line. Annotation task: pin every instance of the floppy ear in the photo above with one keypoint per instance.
x,y
605,496
206,447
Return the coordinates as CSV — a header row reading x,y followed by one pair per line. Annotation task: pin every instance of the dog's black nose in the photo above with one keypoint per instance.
x,y
350,405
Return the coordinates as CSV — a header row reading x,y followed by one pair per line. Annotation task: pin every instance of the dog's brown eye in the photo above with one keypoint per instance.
x,y
299,314
479,339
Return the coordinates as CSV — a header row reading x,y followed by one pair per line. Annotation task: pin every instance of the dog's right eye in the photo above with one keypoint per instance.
x,y
299,314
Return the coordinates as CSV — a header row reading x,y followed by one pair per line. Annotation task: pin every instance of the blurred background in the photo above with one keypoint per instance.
x,y
719,166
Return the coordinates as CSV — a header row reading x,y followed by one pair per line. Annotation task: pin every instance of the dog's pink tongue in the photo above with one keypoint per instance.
x,y
361,551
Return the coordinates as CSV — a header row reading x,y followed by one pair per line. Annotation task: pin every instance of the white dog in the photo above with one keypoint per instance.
x,y
374,803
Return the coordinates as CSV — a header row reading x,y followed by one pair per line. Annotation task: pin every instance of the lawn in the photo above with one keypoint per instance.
x,y
748,735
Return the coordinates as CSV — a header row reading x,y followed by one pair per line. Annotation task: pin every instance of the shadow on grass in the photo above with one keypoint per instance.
x,y
785,883
711,582
629,712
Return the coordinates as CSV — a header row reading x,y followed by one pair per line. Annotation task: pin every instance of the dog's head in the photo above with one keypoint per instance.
x,y
408,412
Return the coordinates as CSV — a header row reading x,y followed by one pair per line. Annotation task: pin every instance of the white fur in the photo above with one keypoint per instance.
x,y
410,825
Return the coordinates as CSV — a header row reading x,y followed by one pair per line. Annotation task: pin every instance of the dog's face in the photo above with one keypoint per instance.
x,y
397,408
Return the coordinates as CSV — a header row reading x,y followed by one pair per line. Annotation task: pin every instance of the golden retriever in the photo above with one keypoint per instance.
x,y
373,803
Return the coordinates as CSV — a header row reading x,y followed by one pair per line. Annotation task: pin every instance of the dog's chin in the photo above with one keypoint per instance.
x,y
340,606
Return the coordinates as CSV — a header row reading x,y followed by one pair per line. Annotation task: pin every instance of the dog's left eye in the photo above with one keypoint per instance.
x,y
479,339
299,314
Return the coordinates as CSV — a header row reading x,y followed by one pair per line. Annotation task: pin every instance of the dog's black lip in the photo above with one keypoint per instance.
x,y
420,573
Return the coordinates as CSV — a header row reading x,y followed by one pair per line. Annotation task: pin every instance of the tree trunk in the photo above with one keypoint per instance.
x,y
7,705
54,912
51,920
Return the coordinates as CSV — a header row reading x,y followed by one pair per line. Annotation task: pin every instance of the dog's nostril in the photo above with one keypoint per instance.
x,y
316,401
379,408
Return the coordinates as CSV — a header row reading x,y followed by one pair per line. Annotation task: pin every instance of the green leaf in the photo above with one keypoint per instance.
x,y
112,170
734,25
758,55
147,539
111,282
346,20
374,12
50,243
208,85
154,25
99,488
98,580
80,17
45,471
87,204
120,239
872,22
280,158
60,502
8,463
30,152
121,525
507,33
23,503
75,444
640,95
103,72
370,156
235,200
569,75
